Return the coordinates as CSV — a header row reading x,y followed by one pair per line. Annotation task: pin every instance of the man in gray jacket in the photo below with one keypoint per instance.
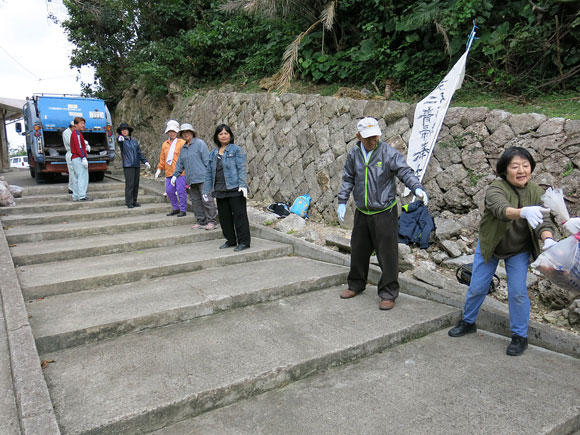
x,y
369,173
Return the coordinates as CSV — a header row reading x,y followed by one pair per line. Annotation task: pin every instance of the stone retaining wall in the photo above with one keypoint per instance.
x,y
297,144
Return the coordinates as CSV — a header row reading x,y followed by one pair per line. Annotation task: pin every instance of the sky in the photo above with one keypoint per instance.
x,y
35,53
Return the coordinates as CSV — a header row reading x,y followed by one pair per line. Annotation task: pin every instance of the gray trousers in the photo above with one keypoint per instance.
x,y
204,211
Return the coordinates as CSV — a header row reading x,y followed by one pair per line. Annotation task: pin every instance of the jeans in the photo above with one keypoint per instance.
x,y
518,301
131,184
80,180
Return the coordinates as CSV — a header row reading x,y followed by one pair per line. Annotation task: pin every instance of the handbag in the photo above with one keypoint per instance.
x,y
464,272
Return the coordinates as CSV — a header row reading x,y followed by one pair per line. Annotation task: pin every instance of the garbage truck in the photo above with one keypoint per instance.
x,y
46,116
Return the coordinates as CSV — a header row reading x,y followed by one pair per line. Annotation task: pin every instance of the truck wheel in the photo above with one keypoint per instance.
x,y
97,176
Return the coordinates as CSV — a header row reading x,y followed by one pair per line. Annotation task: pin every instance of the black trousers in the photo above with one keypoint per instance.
x,y
131,185
379,233
234,220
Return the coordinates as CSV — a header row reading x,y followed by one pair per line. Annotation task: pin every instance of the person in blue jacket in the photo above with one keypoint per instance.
x,y
225,179
132,159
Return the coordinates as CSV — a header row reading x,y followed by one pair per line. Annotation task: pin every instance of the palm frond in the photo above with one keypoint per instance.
x,y
268,8
328,14
443,33
281,80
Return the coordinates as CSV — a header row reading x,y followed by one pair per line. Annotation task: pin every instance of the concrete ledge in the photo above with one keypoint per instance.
x,y
491,317
35,409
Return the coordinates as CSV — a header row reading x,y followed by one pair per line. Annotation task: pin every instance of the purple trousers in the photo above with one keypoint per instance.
x,y
177,194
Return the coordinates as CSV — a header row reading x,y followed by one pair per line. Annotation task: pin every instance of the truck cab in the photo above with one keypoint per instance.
x,y
46,116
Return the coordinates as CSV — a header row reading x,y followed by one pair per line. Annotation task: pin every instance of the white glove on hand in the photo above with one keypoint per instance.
x,y
548,243
121,138
85,163
533,214
341,211
173,180
244,191
205,198
420,193
573,225
147,165
87,146
157,172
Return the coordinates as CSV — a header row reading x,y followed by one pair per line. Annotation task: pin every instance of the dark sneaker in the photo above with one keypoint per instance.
x,y
136,204
517,346
130,206
86,198
172,212
462,328
181,214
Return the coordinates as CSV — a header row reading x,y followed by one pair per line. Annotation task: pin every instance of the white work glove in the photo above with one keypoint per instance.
x,y
341,211
147,165
420,193
533,214
573,225
244,191
548,243
121,138
85,163
173,180
205,197
87,146
157,172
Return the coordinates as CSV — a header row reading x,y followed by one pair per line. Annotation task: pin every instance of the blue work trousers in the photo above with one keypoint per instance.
x,y
80,180
518,301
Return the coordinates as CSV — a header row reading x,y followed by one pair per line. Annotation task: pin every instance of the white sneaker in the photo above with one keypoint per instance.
x,y
210,226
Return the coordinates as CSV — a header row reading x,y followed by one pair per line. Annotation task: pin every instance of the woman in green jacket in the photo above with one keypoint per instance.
x,y
511,225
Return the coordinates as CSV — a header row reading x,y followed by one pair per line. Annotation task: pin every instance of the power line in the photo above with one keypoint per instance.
x,y
14,59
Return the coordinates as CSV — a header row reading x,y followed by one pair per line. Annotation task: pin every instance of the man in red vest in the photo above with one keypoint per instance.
x,y
79,161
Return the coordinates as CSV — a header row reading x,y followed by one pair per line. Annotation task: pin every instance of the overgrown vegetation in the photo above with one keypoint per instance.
x,y
524,48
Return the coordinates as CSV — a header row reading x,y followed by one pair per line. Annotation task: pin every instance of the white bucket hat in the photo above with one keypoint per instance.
x,y
368,127
186,127
172,125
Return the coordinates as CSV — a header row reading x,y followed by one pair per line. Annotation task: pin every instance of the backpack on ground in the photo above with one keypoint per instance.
x,y
463,275
300,206
279,208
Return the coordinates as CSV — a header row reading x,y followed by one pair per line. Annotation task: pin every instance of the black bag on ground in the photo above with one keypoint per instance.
x,y
463,275
280,208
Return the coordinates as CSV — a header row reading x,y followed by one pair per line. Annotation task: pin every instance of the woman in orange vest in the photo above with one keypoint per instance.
x,y
170,150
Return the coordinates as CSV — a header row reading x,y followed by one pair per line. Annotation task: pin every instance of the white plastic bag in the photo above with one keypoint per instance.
x,y
554,200
6,198
16,191
561,264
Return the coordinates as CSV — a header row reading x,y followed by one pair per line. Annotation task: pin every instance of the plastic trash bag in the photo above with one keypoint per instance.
x,y
6,198
16,191
554,200
561,264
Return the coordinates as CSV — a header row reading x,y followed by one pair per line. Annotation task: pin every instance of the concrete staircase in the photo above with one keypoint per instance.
x,y
146,326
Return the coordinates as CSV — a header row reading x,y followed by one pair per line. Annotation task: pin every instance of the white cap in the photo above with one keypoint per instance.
x,y
172,125
368,127
186,127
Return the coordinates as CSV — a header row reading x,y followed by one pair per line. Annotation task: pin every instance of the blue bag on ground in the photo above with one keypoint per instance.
x,y
300,206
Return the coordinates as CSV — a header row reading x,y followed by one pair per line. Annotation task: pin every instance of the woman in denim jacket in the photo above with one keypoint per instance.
x,y
225,178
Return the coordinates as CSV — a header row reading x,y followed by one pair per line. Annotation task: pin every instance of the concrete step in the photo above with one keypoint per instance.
x,y
47,279
433,385
159,376
49,189
90,214
65,197
69,230
68,249
73,319
35,208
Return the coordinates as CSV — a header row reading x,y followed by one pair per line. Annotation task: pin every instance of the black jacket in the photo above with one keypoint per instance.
x,y
131,152
416,225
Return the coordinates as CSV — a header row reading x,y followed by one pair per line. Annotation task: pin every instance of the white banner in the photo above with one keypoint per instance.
x,y
429,115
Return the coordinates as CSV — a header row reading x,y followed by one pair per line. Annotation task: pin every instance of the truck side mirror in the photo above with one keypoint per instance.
x,y
18,127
